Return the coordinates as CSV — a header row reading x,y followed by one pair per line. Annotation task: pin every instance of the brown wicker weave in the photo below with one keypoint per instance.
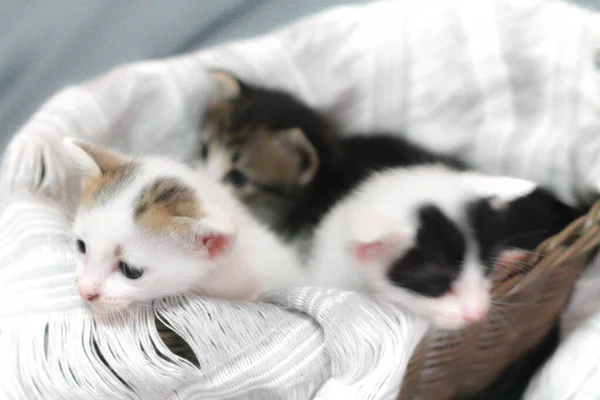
x,y
447,365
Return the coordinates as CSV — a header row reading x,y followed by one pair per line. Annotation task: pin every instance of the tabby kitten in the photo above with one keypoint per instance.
x,y
285,160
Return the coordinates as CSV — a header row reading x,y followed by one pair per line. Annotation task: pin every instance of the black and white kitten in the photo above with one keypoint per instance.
x,y
426,238
288,164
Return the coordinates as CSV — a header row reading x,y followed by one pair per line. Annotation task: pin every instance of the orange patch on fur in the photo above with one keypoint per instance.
x,y
271,160
266,156
162,200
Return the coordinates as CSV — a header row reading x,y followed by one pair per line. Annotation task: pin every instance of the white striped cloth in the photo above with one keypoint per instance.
x,y
245,351
507,85
573,372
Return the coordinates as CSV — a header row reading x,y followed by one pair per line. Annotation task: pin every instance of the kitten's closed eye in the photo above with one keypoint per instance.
x,y
130,272
236,178
81,246
204,151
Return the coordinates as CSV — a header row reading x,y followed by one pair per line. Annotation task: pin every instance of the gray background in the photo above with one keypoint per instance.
x,y
47,45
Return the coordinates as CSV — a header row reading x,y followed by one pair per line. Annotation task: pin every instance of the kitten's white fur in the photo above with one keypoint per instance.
x,y
384,208
255,262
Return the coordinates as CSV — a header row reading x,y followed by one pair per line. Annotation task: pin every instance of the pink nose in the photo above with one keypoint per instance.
x,y
474,311
88,289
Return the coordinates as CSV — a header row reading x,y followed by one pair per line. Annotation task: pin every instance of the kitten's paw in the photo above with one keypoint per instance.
x,y
36,162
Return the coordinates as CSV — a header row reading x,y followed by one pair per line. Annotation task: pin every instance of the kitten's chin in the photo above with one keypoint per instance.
x,y
448,312
449,323
108,307
454,312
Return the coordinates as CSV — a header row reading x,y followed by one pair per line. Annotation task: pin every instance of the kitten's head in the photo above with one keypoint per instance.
x,y
265,145
431,251
142,229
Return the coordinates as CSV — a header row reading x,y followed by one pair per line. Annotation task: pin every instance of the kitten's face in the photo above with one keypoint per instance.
x,y
432,253
264,163
141,235
441,269
120,264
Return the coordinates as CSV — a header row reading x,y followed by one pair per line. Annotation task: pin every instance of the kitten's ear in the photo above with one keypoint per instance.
x,y
502,189
213,233
374,238
92,160
300,152
224,87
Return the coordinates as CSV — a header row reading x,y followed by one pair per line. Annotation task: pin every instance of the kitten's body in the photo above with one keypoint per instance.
x,y
182,231
432,231
271,140
360,157
294,164
294,197
415,222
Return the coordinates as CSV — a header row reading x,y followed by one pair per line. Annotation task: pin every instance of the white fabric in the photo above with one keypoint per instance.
x,y
585,300
573,372
507,85
245,351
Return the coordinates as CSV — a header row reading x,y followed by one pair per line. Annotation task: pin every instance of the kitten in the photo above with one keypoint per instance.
x,y
150,227
426,237
264,145
285,160
288,164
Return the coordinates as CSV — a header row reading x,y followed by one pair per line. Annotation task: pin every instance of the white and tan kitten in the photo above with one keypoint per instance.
x,y
151,227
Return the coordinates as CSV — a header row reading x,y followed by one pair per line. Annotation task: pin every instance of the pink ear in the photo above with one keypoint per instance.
x,y
213,233
380,251
215,244
373,236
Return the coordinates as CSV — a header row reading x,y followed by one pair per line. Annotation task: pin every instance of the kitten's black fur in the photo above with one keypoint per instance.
x,y
524,224
277,110
359,156
346,162
435,261
343,162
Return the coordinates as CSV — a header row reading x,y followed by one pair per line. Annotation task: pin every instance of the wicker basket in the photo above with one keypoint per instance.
x,y
447,365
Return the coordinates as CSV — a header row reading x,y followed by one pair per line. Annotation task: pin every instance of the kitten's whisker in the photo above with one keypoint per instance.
x,y
502,303
142,304
135,316
499,314
516,267
544,232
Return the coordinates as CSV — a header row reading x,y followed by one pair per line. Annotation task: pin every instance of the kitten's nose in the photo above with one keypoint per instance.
x,y
87,289
474,311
